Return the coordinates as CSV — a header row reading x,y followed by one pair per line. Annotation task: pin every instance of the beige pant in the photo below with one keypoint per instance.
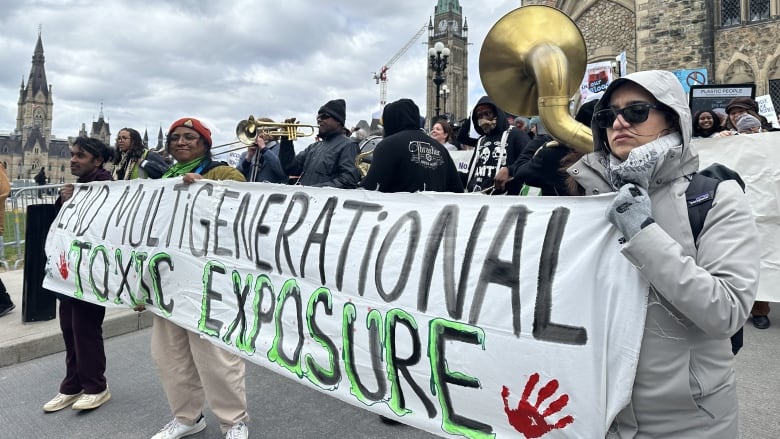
x,y
194,371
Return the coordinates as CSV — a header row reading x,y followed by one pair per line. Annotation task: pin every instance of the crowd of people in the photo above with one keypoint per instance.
x,y
642,151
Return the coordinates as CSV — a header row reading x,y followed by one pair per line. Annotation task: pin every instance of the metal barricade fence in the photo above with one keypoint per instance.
x,y
16,219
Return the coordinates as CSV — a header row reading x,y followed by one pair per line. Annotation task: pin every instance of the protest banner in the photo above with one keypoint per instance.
x,y
754,157
461,314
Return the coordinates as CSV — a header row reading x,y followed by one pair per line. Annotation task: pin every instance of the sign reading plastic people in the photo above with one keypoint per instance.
x,y
464,315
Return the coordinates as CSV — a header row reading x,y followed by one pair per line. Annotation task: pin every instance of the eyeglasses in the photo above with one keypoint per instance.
x,y
187,138
633,113
323,116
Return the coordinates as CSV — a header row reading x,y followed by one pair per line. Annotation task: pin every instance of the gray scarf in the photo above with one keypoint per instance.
x,y
639,166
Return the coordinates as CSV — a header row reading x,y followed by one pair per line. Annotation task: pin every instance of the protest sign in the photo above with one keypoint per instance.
x,y
597,78
460,314
711,97
767,109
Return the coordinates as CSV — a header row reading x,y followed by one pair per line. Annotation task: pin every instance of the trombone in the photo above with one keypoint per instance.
x,y
248,130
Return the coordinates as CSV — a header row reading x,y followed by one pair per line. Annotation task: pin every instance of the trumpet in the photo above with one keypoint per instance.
x,y
247,130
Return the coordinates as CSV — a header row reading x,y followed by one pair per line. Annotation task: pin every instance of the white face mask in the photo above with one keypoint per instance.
x,y
486,124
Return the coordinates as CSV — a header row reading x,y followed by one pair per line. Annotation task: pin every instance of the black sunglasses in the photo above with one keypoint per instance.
x,y
633,113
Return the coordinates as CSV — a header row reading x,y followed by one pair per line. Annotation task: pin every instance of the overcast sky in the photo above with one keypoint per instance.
x,y
152,61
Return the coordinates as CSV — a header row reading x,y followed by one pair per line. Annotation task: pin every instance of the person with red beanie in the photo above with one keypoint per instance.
x,y
194,371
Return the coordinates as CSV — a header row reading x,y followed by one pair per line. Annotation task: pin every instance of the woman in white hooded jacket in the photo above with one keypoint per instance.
x,y
700,292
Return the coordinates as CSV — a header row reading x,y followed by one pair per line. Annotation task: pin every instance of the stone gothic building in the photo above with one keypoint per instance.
x,y
734,40
32,146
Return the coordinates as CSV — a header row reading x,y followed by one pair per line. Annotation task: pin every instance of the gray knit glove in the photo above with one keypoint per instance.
x,y
630,210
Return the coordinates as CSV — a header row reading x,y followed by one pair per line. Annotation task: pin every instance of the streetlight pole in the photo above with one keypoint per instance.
x,y
439,56
445,92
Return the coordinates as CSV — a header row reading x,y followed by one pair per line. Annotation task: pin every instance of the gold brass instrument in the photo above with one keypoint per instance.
x,y
366,154
248,129
532,62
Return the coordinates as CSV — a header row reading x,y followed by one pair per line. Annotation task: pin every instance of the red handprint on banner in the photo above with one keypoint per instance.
x,y
527,419
62,265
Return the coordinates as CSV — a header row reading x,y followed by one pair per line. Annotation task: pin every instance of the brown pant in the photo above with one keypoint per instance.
x,y
193,371
760,308
85,358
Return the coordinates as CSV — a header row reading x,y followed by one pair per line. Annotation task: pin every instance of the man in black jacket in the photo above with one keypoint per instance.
x,y
407,159
329,162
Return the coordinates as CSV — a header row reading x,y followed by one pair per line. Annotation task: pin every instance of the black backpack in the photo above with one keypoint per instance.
x,y
699,197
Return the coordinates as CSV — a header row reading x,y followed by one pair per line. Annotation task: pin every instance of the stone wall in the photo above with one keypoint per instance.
x,y
673,35
678,34
748,54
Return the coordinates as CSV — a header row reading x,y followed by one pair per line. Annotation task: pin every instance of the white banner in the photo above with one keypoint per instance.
x,y
755,157
464,315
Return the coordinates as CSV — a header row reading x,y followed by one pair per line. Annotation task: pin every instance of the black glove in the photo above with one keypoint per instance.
x,y
630,210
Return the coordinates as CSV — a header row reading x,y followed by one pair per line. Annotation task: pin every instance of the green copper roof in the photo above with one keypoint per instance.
x,y
444,6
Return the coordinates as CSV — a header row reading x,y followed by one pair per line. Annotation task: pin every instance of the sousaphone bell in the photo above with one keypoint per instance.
x,y
531,63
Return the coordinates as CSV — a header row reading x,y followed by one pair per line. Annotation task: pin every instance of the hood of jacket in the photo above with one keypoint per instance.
x,y
400,115
666,89
501,122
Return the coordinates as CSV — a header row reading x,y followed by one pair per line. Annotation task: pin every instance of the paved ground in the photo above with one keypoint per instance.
x,y
25,341
279,407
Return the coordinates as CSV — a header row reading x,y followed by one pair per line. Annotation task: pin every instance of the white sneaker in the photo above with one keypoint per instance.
x,y
175,429
60,401
238,431
92,401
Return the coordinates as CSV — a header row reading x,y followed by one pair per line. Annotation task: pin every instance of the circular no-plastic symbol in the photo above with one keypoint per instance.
x,y
695,78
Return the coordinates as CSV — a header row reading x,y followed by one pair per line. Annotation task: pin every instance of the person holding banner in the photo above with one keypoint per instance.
x,y
192,369
700,292
84,386
743,105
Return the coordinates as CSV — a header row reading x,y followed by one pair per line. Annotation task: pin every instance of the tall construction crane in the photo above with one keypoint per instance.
x,y
381,75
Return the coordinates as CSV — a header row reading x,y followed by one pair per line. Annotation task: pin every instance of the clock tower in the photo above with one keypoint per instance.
x,y
450,28
34,114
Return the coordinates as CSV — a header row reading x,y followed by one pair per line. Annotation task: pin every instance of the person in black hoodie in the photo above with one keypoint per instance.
x,y
498,148
540,163
407,159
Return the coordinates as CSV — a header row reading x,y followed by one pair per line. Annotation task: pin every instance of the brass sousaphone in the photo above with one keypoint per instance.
x,y
532,62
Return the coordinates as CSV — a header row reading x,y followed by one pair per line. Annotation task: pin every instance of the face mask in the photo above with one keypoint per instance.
x,y
486,124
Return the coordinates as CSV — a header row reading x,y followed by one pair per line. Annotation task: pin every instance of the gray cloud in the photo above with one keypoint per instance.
x,y
151,62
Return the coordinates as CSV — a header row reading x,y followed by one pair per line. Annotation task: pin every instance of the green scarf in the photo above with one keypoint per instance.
x,y
183,168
